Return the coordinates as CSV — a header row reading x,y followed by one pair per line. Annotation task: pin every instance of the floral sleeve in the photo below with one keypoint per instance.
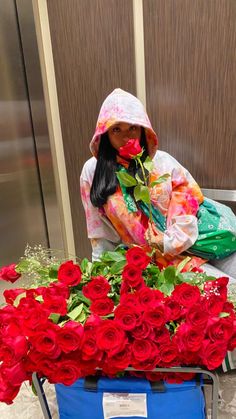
x,y
101,234
182,228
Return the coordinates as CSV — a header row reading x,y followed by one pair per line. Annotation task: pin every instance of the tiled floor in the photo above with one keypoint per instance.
x,y
26,405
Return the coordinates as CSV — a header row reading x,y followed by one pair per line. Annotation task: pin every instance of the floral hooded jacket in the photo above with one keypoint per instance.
x,y
177,198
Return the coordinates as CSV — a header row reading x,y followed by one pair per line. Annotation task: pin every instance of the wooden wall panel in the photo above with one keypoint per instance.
x,y
93,51
191,85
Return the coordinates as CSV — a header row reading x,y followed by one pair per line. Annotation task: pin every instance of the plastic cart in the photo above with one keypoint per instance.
x,y
209,379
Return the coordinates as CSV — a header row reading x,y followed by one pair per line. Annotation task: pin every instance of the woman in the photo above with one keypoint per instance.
x,y
113,216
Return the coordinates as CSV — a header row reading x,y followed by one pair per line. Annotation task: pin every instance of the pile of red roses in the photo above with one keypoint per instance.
x,y
80,322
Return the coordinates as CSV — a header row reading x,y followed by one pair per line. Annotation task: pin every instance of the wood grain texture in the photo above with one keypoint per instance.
x,y
93,51
190,56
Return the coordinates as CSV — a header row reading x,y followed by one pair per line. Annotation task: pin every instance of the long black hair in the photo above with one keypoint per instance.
x,y
105,181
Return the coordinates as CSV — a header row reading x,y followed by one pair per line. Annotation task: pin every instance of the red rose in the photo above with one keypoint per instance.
x,y
159,296
127,316
212,354
130,300
66,372
190,358
147,297
37,362
160,336
229,308
15,374
97,288
136,256
124,289
89,349
8,273
69,337
12,328
34,317
174,308
110,337
143,349
158,316
45,341
220,330
10,295
130,149
142,331
102,307
196,316
7,391
92,322
117,362
186,295
69,273
214,304
13,349
189,338
147,364
132,275
56,304
88,367
218,287
45,367
169,355
57,289
10,322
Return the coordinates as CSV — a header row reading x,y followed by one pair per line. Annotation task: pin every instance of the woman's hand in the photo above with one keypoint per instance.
x,y
155,237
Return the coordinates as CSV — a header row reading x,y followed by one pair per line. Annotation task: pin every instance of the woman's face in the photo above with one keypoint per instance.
x,y
121,132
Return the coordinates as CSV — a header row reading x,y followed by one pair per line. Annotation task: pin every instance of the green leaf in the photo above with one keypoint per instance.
x,y
81,317
186,277
209,278
153,270
223,314
109,316
18,298
54,317
141,193
76,299
182,264
139,179
166,288
61,324
84,264
75,312
39,298
53,272
148,164
161,179
170,274
117,267
161,278
112,256
173,325
126,179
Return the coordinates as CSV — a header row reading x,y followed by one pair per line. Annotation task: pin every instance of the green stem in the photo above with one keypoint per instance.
x,y
143,172
146,184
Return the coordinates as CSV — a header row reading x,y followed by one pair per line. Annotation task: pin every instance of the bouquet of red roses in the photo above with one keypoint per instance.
x,y
119,312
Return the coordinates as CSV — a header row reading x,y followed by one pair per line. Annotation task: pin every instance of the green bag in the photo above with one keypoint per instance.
x,y
217,231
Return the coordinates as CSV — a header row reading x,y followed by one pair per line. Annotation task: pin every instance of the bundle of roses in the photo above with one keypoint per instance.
x,y
122,311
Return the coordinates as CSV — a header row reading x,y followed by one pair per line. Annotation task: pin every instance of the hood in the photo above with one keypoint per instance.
x,y
121,106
